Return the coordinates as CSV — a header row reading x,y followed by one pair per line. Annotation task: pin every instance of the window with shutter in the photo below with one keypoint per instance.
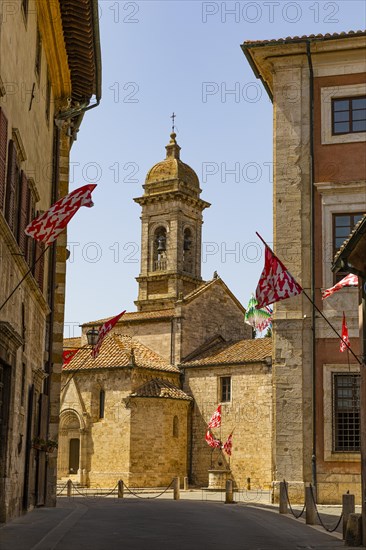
x,y
30,216
23,213
12,189
3,148
38,270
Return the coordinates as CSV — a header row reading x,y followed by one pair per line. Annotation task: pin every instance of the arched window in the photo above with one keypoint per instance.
x,y
187,251
101,403
159,250
175,426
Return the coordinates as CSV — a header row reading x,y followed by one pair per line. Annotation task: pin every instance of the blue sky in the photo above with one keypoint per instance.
x,y
181,56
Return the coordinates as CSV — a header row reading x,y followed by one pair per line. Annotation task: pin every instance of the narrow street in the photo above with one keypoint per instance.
x,y
98,524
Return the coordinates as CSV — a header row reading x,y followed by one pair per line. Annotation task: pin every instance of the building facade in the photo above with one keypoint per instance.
x,y
46,83
139,411
318,88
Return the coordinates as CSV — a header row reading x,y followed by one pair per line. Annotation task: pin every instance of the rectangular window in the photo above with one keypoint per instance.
x,y
349,115
346,412
38,54
225,389
343,225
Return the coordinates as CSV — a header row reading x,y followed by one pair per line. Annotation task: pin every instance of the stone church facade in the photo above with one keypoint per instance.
x,y
139,411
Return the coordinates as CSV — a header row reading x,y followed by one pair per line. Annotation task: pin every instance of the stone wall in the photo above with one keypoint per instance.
x,y
249,414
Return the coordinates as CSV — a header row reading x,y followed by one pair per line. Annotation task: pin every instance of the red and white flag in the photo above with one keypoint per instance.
x,y
103,331
215,421
345,338
228,445
349,280
67,355
50,224
276,282
211,441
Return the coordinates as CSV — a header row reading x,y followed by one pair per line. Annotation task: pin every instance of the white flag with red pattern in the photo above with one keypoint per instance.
x,y
276,282
215,421
348,280
50,224
345,338
103,331
211,441
228,445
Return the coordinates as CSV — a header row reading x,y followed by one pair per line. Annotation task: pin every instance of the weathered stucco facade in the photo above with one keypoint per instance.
x,y
319,184
36,85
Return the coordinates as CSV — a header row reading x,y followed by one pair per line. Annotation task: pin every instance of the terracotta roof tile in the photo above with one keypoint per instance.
x,y
119,351
160,388
243,351
314,37
136,316
72,342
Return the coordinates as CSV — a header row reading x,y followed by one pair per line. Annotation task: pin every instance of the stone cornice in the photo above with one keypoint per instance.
x,y
174,195
7,332
330,188
50,25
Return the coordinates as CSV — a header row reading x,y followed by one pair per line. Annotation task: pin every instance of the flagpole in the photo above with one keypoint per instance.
x,y
23,279
316,307
332,327
75,371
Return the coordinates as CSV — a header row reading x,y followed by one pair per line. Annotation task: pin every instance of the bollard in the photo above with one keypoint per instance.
x,y
283,508
185,483
229,492
310,506
348,507
176,488
69,488
354,530
120,488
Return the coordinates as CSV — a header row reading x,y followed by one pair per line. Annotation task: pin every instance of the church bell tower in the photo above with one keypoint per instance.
x,y
171,232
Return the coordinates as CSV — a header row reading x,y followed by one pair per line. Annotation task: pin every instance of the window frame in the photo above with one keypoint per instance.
x,y
341,274
228,390
336,409
349,111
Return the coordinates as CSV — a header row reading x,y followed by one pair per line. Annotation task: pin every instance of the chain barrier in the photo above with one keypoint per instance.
x,y
61,491
297,516
329,529
95,494
148,498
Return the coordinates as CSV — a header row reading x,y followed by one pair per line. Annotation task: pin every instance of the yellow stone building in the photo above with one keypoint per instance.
x,y
49,72
139,411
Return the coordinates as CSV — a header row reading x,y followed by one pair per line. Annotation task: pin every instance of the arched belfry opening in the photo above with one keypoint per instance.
x,y
160,249
187,251
171,232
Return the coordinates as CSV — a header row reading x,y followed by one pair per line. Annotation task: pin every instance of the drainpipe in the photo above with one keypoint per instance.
x,y
312,259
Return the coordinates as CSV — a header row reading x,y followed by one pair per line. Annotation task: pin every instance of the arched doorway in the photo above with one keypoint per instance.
x,y
70,444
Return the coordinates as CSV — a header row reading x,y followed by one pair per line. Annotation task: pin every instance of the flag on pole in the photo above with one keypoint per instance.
x,y
211,441
215,421
259,319
276,282
103,331
345,338
67,355
228,445
349,280
50,224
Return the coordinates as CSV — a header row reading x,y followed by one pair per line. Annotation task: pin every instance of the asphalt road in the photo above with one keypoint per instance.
x,y
111,524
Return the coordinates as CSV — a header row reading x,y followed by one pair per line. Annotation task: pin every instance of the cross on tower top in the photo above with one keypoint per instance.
x,y
173,119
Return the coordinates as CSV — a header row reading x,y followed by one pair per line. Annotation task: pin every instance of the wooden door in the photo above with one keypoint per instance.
x,y
74,456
